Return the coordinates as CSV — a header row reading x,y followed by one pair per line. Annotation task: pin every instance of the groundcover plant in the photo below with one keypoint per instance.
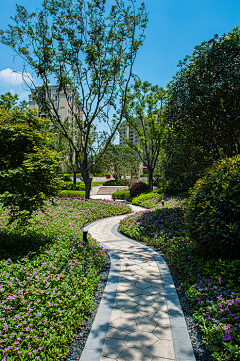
x,y
47,278
212,287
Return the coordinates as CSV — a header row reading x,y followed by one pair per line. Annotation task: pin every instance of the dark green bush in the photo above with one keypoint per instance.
x,y
79,186
138,188
213,211
124,194
115,182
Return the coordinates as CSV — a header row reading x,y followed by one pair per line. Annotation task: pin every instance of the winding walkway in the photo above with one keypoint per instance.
x,y
139,317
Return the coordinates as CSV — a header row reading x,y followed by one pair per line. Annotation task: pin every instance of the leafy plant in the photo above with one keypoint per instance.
x,y
115,182
71,193
124,194
138,188
213,211
144,196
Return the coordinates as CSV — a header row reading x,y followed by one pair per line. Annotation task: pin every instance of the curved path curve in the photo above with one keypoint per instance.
x,y
140,317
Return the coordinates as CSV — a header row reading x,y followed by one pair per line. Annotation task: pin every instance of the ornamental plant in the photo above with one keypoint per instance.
x,y
124,194
138,188
212,216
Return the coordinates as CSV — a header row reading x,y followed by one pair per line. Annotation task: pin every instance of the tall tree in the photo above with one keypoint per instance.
x,y
203,109
142,113
9,101
27,164
89,51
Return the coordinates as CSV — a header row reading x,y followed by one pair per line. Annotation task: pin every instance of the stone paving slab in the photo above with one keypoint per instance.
x,y
140,317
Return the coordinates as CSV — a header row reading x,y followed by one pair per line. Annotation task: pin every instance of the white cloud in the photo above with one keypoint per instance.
x,y
10,77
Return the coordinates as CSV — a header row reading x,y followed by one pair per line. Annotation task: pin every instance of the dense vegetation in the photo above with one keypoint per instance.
x,y
47,278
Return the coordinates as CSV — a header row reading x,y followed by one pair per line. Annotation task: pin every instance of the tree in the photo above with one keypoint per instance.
x,y
143,114
9,101
203,109
89,52
121,161
27,164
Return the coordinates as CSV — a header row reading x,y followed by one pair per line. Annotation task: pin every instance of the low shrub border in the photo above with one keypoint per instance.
x,y
124,194
213,287
47,278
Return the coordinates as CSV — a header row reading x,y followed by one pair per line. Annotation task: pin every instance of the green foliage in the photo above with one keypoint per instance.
x,y
71,193
213,211
144,196
48,277
89,48
27,164
9,102
121,161
79,186
117,182
124,194
142,113
202,110
138,188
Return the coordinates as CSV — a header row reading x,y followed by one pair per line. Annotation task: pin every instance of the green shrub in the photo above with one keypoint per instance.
x,y
71,193
144,196
115,182
138,188
124,194
79,186
213,211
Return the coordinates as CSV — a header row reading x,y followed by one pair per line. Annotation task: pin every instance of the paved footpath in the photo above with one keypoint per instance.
x,y
139,317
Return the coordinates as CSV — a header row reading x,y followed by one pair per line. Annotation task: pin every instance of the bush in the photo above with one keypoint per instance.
x,y
80,186
70,193
119,182
138,188
213,211
124,194
142,197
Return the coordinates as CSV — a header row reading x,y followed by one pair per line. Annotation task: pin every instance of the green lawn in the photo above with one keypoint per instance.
x,y
47,278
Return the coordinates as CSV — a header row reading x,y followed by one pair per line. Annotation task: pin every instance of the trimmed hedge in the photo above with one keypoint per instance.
x,y
71,193
119,182
144,196
212,216
124,194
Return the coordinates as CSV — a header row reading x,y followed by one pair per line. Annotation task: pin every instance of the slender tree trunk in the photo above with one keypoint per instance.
x,y
75,178
150,179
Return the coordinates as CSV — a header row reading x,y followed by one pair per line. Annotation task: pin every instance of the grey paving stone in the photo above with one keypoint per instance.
x,y
112,348
163,332
184,353
162,348
130,314
140,339
124,304
134,354
142,284
134,291
148,311
102,358
143,300
116,333
124,325
115,314
151,291
160,306
145,324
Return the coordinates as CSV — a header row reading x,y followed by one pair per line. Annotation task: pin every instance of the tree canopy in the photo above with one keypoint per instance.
x,y
9,101
27,164
89,52
142,114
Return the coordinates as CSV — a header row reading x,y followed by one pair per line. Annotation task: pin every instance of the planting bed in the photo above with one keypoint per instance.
x,y
48,277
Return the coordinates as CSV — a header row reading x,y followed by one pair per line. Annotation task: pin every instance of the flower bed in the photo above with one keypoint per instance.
x,y
47,278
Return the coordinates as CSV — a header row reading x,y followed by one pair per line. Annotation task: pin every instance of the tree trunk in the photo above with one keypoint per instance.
x,y
87,183
150,179
75,178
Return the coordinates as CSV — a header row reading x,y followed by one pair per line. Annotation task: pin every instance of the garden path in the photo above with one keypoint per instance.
x,y
139,317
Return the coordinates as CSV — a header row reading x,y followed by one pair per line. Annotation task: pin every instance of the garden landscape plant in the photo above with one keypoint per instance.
x,y
47,278
212,286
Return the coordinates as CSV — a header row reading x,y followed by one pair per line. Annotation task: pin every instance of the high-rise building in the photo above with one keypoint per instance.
x,y
129,133
66,105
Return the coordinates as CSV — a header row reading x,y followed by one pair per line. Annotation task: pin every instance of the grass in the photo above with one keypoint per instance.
x,y
212,286
47,278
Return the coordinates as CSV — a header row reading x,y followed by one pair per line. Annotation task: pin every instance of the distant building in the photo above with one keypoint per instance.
x,y
129,133
66,105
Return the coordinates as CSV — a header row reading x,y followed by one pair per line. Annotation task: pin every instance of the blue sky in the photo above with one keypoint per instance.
x,y
174,28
